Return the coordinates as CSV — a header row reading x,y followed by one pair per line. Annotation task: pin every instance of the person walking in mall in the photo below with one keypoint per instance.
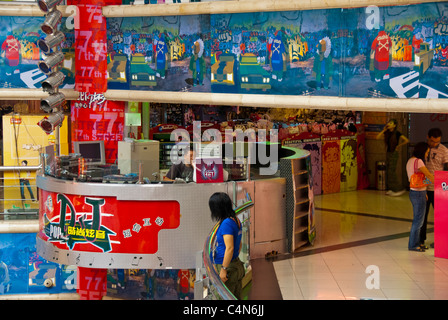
x,y
228,243
417,194
436,161
394,140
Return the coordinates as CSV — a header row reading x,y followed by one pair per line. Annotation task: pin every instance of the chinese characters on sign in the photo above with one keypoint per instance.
x,y
137,227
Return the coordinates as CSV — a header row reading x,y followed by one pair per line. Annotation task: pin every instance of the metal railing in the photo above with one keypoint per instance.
x,y
18,193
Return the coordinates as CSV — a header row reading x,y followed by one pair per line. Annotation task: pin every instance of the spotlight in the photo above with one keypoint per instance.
x,y
53,81
51,41
53,101
51,22
51,61
47,5
48,124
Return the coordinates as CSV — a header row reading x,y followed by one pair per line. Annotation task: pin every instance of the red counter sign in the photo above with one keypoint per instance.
x,y
440,214
104,224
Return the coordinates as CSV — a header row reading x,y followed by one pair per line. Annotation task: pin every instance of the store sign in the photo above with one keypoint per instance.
x,y
104,224
209,170
90,101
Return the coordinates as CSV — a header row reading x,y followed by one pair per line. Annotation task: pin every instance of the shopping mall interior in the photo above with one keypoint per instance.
x,y
100,99
356,230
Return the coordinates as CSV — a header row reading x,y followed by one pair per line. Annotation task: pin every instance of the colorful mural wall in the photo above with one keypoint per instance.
x,y
20,55
151,284
23,271
395,51
159,53
398,51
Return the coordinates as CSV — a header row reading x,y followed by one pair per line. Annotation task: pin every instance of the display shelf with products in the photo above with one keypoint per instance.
x,y
300,229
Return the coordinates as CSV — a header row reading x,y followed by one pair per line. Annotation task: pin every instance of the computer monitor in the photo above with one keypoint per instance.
x,y
93,151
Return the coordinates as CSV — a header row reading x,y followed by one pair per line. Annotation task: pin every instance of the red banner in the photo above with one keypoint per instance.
x,y
91,45
104,224
93,118
91,50
92,283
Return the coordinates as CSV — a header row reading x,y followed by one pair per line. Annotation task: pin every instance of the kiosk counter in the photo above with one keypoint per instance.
x,y
155,225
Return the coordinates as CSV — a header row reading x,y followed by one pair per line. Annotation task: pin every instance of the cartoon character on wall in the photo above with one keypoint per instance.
x,y
441,54
277,57
381,56
197,62
11,54
161,57
183,279
349,172
323,64
331,167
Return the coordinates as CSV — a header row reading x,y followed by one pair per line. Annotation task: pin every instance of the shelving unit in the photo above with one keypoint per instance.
x,y
299,200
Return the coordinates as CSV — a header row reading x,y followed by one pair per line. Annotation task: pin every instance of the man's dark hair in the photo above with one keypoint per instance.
x,y
435,133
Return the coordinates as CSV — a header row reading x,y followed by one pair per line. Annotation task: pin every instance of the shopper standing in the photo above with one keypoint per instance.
x,y
394,140
228,243
418,195
24,179
436,160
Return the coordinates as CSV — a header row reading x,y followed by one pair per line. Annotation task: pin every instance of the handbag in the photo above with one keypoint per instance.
x,y
418,179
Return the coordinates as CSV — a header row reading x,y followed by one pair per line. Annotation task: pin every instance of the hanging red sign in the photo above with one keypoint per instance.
x,y
91,49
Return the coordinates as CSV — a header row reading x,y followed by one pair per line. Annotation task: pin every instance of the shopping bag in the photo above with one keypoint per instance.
x,y
418,180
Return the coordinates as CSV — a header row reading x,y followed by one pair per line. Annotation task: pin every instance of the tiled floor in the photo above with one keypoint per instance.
x,y
356,231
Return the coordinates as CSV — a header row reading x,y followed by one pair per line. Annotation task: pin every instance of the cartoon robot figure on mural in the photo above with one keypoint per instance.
x,y
381,56
161,57
277,57
11,54
323,64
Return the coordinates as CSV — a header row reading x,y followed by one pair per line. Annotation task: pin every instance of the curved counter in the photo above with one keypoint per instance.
x,y
152,226
124,225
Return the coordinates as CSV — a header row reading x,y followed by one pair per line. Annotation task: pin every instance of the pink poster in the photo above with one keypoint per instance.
x,y
441,214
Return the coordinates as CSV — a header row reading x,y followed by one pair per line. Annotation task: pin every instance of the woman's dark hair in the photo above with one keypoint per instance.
x,y
420,150
221,206
395,121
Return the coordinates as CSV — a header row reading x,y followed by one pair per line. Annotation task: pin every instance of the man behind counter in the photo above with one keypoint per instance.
x,y
185,169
